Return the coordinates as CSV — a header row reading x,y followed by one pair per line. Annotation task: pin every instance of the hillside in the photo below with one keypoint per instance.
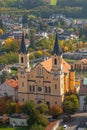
x,y
71,8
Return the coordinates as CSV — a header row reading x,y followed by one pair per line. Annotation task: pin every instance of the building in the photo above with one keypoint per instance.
x,y
48,81
18,119
80,65
82,94
9,88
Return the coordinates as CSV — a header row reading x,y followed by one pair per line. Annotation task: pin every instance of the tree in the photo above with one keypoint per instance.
x,y
25,19
70,104
1,24
34,115
19,107
32,38
55,111
11,45
1,32
4,76
37,127
43,108
2,106
10,106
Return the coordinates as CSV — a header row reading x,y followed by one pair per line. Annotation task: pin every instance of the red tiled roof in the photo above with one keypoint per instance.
x,y
47,64
51,125
12,83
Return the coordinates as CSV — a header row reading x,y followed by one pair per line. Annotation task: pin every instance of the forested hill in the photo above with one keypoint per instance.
x,y
73,8
36,3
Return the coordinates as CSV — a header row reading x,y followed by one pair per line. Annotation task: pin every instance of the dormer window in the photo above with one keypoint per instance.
x,y
21,59
55,61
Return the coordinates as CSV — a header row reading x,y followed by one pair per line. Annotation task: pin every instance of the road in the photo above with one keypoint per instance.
x,y
78,119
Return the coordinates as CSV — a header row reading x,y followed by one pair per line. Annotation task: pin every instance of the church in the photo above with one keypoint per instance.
x,y
48,81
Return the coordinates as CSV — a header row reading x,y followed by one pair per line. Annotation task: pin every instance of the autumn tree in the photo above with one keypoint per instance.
x,y
2,106
1,32
11,45
19,107
70,104
55,111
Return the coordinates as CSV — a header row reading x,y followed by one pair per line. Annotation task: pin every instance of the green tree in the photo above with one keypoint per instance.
x,y
10,106
37,127
4,76
43,108
32,38
25,19
70,104
1,24
55,111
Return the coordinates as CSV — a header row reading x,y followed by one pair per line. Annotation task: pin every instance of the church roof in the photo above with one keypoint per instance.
x,y
23,48
56,49
47,64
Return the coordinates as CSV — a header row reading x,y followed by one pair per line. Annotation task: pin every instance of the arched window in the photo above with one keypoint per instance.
x,y
21,59
55,61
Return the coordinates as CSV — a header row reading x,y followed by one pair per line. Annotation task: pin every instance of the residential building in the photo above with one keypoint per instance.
x,y
18,119
9,88
82,94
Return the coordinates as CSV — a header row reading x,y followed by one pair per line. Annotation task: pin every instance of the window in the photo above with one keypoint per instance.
x,y
33,88
45,89
55,86
55,102
49,90
55,61
21,59
22,84
30,88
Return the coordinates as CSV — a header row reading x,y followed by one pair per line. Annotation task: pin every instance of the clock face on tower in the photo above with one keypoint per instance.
x,y
22,72
55,73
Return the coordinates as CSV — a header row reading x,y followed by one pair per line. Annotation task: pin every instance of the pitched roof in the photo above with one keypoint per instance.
x,y
56,49
12,83
51,125
47,64
84,61
23,48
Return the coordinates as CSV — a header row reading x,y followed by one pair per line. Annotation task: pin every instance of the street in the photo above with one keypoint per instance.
x,y
77,120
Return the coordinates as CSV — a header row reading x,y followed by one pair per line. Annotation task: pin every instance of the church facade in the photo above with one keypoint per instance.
x,y
48,81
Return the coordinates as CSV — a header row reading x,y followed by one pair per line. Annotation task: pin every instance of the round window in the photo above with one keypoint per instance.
x,y
39,89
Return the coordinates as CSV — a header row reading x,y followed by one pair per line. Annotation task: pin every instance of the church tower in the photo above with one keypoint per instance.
x,y
57,69
23,70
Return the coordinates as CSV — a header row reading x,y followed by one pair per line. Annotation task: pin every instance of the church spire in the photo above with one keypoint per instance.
x,y
56,49
23,48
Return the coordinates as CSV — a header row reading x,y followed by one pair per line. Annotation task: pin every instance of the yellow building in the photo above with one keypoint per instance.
x,y
48,81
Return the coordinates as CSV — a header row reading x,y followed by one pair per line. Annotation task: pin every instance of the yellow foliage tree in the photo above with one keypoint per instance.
x,y
9,40
40,53
65,48
1,32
